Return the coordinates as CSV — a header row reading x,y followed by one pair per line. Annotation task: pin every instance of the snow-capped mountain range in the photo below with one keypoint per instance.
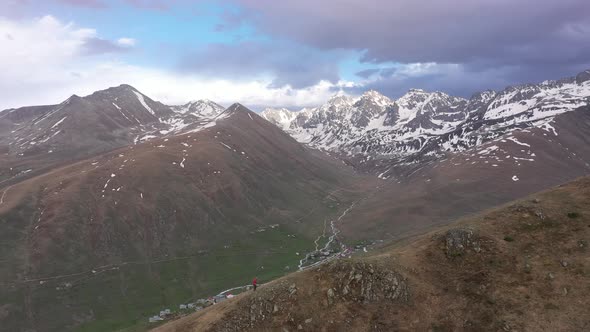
x,y
370,132
421,124
95,182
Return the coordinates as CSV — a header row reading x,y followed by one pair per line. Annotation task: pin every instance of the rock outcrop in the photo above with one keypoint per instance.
x,y
287,304
459,241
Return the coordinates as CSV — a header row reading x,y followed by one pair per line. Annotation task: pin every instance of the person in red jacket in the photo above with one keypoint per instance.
x,y
254,283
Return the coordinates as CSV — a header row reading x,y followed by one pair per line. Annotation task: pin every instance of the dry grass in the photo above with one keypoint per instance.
x,y
539,281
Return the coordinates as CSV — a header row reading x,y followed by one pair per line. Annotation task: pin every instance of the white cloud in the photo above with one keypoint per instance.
x,y
128,42
172,88
42,62
39,43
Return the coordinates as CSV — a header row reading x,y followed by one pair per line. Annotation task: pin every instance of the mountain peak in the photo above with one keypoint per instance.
x,y
484,96
423,94
200,108
126,86
237,107
372,93
583,76
281,117
414,90
340,99
200,101
376,98
116,91
276,110
203,102
71,99
413,95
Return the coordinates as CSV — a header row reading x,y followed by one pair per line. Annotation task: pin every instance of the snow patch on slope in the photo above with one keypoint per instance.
x,y
143,103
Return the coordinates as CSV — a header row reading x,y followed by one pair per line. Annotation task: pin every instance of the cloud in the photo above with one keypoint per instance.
x,y
254,94
448,78
456,79
165,86
85,3
160,5
95,45
45,61
442,31
126,42
368,72
42,54
295,49
36,44
529,38
288,64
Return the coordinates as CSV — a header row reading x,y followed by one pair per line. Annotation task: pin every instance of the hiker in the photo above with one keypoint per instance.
x,y
254,283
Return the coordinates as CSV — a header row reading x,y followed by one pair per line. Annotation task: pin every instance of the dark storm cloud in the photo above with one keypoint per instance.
x,y
442,31
289,64
461,81
512,41
386,72
451,79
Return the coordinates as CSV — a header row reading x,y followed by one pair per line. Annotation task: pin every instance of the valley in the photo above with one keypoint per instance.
x,y
114,207
294,166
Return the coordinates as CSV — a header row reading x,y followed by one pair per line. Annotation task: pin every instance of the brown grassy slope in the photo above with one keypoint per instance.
x,y
193,196
434,194
526,267
243,170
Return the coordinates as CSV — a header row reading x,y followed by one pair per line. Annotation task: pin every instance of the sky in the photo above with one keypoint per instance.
x,y
287,53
